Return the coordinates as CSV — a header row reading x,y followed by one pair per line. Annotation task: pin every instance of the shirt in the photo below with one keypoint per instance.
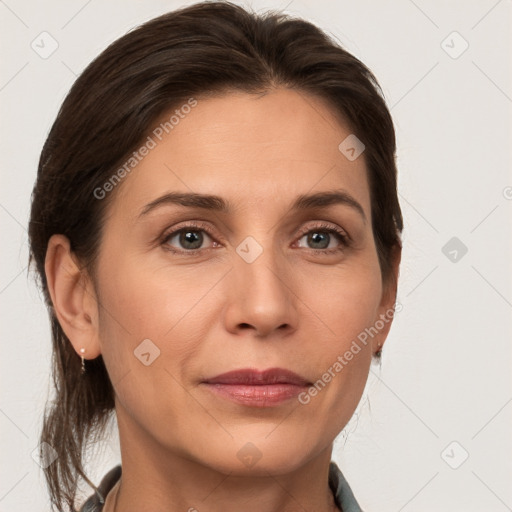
x,y
342,492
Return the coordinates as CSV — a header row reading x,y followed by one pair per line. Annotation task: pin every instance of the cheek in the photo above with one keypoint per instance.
x,y
149,298
143,338
345,299
142,302
347,303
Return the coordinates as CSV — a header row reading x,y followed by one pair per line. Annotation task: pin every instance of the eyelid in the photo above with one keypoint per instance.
x,y
325,226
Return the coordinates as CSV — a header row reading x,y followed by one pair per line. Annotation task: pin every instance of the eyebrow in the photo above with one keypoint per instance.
x,y
218,204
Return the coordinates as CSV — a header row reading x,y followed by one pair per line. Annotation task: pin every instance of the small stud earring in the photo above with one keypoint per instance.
x,y
379,350
82,350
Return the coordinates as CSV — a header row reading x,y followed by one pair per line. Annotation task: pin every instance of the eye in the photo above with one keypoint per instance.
x,y
189,238
325,238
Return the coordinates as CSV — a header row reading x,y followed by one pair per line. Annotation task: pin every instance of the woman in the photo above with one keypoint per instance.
x,y
216,229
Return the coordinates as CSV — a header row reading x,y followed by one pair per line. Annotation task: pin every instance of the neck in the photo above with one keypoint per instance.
x,y
155,479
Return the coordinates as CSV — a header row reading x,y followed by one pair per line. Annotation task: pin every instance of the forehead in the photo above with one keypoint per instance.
x,y
247,148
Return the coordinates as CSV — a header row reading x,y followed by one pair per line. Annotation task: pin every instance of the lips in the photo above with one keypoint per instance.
x,y
250,377
255,388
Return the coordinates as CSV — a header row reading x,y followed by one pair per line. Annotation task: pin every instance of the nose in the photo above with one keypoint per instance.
x,y
261,297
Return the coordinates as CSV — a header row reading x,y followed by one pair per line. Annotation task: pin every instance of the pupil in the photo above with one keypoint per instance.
x,y
191,237
316,237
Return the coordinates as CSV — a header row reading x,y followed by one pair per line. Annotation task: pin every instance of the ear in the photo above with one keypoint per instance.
x,y
73,297
386,310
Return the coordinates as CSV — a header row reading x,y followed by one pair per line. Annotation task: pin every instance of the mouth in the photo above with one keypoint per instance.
x,y
256,388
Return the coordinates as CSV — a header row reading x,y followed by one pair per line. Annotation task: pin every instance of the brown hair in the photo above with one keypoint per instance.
x,y
205,48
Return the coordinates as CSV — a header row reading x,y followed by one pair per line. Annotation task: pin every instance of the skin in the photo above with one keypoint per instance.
x,y
294,307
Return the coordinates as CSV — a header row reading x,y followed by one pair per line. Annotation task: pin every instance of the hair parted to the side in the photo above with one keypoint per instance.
x,y
206,48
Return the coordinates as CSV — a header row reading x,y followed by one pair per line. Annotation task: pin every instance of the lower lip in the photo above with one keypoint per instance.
x,y
257,396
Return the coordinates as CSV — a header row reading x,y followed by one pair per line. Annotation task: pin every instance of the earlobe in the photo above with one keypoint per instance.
x,y
73,297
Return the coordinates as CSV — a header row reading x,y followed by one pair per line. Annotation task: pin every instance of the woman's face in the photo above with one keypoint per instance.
x,y
258,284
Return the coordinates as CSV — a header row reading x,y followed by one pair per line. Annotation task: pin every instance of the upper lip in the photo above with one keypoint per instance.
x,y
250,376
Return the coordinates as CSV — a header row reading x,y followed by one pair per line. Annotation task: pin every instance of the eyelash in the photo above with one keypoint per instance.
x,y
199,226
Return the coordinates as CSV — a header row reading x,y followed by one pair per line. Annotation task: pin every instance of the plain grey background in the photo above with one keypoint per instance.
x,y
432,431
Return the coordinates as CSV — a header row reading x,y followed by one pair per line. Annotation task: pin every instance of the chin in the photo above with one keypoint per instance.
x,y
257,455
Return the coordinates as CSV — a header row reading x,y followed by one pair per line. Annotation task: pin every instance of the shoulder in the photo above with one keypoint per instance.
x,y
96,501
343,494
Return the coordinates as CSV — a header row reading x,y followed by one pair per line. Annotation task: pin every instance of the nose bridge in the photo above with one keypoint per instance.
x,y
261,294
260,260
